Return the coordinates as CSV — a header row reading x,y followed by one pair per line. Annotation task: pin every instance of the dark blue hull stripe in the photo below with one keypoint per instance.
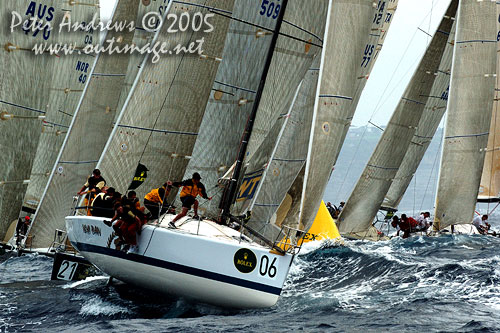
x,y
179,268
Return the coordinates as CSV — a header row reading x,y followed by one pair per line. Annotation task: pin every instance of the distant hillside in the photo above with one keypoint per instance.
x,y
358,147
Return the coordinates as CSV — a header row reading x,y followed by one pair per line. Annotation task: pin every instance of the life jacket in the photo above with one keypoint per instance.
x,y
94,181
154,195
191,189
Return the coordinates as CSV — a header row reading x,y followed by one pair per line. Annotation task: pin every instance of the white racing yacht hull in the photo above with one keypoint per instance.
x,y
203,261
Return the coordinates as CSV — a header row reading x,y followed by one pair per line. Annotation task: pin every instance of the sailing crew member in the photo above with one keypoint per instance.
x,y
395,224
407,225
423,221
94,185
156,200
102,205
191,188
126,225
135,205
22,228
341,206
480,223
332,210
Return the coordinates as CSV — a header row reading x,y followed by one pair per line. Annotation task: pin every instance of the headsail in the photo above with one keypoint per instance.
x,y
67,84
280,165
343,80
87,134
368,195
469,113
25,82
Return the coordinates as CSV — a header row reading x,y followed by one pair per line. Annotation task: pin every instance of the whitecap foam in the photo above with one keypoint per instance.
x,y
96,306
86,280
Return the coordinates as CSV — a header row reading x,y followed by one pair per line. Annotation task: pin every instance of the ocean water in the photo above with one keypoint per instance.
x,y
422,284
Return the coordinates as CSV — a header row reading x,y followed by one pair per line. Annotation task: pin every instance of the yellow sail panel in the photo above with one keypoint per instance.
x,y
323,227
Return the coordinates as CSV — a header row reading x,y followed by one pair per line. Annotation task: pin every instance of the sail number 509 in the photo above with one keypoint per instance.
x,y
266,268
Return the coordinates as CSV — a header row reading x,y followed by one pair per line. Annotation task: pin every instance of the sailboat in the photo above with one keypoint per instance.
x,y
87,134
25,83
68,82
336,99
246,274
466,131
367,197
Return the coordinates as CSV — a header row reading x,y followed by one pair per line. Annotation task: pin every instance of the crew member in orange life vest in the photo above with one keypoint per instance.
x,y
156,199
191,188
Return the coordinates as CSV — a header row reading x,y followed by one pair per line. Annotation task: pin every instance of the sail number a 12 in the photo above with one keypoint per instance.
x,y
267,267
67,270
270,8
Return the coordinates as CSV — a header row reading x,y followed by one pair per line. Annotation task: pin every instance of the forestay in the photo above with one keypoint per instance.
x,y
159,124
469,113
360,28
369,192
489,190
25,82
88,132
67,84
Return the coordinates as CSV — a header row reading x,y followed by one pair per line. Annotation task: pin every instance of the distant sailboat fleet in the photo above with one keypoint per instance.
x,y
261,114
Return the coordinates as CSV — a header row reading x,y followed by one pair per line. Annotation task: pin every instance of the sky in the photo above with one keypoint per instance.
x,y
403,48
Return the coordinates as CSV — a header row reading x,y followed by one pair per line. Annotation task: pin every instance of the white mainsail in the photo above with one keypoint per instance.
x,y
368,194
67,84
340,85
469,113
141,37
170,97
88,132
25,82
489,189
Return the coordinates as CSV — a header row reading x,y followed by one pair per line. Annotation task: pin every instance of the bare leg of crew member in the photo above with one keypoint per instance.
x,y
195,208
181,214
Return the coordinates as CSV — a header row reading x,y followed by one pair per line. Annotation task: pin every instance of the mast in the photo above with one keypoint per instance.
x,y
248,129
